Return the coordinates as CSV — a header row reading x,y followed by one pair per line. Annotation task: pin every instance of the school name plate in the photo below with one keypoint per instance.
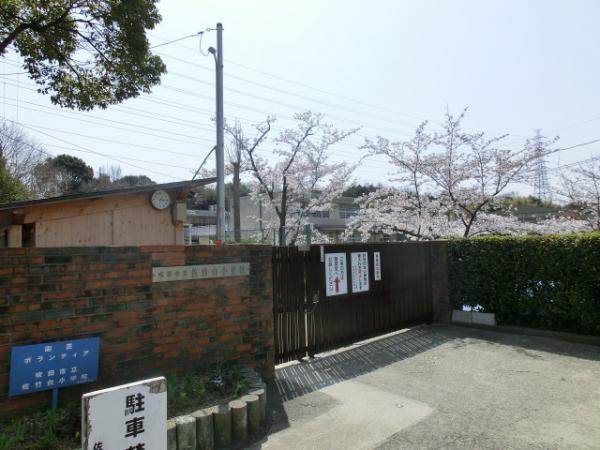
x,y
200,272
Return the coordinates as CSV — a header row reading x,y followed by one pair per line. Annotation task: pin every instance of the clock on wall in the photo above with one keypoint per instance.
x,y
160,200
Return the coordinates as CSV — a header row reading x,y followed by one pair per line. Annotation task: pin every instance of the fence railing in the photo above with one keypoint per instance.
x,y
206,235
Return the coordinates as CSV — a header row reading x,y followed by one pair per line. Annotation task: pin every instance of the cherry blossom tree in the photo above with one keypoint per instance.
x,y
582,188
296,178
237,162
447,183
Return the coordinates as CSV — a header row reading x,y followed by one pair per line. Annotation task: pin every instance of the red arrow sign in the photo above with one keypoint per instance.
x,y
337,284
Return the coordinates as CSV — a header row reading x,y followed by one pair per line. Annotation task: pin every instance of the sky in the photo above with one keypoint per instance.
x,y
383,65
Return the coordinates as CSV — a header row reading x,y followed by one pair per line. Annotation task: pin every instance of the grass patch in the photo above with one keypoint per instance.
x,y
193,391
60,429
57,430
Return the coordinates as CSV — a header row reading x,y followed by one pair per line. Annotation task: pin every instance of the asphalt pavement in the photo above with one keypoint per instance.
x,y
440,387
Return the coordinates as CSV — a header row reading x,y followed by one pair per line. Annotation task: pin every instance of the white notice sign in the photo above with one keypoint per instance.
x,y
360,271
130,416
377,266
336,280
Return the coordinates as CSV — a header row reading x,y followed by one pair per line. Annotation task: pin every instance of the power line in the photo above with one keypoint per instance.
x,y
113,141
86,150
267,113
154,116
195,124
265,99
306,86
62,147
374,127
332,151
192,124
340,152
576,163
290,106
147,114
199,33
272,88
53,111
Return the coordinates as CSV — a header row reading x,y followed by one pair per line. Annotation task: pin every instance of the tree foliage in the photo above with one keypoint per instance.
x,y
85,53
11,188
358,190
550,282
21,154
62,174
582,188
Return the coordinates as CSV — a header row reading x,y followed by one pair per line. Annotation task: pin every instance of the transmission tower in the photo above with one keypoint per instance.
x,y
541,185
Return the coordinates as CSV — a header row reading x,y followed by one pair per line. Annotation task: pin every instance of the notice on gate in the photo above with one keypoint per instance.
x,y
130,417
377,266
336,280
360,271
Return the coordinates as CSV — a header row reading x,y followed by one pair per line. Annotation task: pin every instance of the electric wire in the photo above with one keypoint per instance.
x,y
85,150
199,33
345,152
93,120
152,115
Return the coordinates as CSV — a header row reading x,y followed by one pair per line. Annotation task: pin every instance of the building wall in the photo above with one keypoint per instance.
x,y
145,328
250,213
112,220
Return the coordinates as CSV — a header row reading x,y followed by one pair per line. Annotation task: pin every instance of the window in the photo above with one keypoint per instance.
x,y
321,214
28,235
348,211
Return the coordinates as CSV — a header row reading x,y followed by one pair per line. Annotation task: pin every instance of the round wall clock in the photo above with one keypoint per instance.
x,y
160,200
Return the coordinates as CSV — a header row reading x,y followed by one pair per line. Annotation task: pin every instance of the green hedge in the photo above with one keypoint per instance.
x,y
550,282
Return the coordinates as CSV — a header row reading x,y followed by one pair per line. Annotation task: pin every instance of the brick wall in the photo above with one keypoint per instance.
x,y
145,328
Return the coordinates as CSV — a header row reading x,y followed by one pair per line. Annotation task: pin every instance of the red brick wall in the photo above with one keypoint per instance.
x,y
145,328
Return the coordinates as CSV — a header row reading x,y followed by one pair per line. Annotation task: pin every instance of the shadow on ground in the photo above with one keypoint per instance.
x,y
302,378
298,379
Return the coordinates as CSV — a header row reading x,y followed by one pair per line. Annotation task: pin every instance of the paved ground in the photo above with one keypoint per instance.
x,y
441,387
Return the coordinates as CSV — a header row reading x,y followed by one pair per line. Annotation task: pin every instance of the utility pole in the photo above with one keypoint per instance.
x,y
220,150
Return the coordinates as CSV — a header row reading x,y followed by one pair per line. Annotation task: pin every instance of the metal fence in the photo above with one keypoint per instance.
x,y
309,318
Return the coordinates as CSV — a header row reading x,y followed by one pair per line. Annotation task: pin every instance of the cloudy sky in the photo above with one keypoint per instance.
x,y
384,65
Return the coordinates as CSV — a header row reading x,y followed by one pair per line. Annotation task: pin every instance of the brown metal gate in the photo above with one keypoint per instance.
x,y
307,321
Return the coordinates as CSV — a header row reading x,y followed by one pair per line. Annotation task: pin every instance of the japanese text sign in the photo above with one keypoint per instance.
x,y
360,271
200,272
336,280
377,266
53,365
129,417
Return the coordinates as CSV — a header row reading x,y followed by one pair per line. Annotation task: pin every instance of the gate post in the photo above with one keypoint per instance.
x,y
440,293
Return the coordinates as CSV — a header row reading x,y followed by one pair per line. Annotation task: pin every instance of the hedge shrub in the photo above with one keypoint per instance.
x,y
550,282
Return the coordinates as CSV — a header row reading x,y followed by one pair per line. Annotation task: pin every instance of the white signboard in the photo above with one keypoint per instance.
x,y
377,266
360,271
336,280
131,416
200,272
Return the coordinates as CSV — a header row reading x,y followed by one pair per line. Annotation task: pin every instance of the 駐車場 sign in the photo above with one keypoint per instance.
x,y
130,416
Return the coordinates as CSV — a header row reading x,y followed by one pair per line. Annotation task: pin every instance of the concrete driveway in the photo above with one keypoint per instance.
x,y
445,387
